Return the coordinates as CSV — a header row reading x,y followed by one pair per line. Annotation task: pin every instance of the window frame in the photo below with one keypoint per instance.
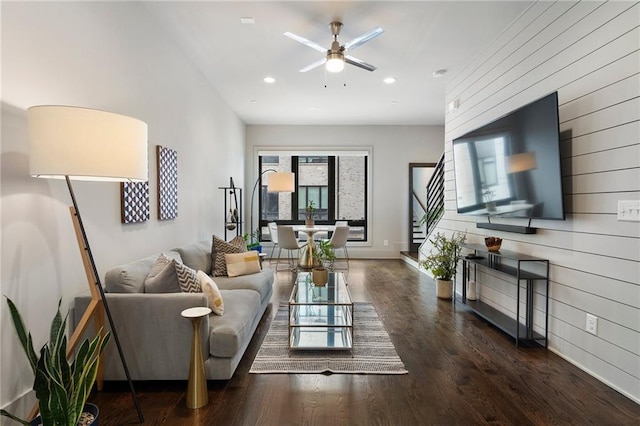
x,y
365,152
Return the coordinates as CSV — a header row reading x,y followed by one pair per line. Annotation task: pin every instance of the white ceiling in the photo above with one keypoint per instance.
x,y
420,37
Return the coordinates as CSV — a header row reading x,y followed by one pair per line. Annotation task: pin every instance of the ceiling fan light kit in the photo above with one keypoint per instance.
x,y
336,56
335,62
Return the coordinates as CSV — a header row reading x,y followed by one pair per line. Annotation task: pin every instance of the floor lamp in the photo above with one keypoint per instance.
x,y
277,182
75,143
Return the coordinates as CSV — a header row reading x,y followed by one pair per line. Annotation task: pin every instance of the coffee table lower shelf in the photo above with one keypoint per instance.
x,y
321,338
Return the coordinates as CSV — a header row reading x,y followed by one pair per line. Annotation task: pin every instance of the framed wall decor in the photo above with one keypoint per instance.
x,y
167,183
134,202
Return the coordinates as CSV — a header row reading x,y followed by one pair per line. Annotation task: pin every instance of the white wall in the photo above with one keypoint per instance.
x,y
109,56
393,148
589,53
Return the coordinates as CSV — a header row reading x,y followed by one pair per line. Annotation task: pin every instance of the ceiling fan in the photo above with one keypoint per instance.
x,y
337,55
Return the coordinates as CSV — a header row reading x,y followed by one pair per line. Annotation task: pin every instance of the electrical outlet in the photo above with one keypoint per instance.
x,y
386,243
592,324
629,210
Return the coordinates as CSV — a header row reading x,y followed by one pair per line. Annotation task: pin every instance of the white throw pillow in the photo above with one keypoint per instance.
x,y
214,296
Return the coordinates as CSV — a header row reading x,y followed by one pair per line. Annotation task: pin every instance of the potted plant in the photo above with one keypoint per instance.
x,y
443,261
61,387
322,255
310,211
252,240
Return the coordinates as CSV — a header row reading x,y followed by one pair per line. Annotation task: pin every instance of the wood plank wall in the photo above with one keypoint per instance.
x,y
588,52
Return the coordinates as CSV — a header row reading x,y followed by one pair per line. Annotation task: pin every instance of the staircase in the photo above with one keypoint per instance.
x,y
435,198
432,212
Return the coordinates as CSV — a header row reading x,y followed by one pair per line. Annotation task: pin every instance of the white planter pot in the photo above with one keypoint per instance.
x,y
444,289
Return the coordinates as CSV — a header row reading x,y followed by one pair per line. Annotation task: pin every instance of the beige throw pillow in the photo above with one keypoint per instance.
x,y
242,263
214,296
220,248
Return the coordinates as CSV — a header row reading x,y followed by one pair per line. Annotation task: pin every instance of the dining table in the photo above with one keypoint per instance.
x,y
306,259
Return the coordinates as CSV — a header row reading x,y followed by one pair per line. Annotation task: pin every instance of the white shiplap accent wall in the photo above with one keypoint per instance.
x,y
590,53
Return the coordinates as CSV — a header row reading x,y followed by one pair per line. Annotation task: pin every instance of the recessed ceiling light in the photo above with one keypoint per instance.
x,y
439,73
394,102
247,20
269,80
389,80
253,101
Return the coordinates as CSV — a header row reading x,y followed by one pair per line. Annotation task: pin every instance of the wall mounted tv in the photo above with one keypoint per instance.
x,y
510,168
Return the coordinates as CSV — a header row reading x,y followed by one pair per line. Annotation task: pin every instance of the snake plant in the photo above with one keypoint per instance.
x,y
62,387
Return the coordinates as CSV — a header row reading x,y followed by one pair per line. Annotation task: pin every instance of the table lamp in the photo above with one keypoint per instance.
x,y
74,143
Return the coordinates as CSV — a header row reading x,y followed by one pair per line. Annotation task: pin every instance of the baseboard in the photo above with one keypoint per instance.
x,y
592,374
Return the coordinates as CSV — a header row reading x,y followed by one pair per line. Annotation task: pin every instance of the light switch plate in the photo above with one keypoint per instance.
x,y
629,210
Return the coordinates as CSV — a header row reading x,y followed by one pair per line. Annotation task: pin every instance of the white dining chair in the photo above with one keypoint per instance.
x,y
287,240
339,241
273,232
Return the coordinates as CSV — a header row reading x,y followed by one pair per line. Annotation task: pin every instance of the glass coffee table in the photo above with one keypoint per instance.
x,y
320,317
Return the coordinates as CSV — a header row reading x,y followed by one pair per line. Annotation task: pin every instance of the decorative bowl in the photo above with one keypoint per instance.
x,y
493,243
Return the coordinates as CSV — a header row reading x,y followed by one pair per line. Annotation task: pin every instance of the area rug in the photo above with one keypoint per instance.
x,y
373,352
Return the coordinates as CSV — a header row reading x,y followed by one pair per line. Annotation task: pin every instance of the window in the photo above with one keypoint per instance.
x,y
337,184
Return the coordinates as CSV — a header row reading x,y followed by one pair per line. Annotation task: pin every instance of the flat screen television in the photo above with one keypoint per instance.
x,y
511,166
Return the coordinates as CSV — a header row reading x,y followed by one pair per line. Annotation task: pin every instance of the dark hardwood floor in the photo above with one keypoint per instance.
x,y
462,371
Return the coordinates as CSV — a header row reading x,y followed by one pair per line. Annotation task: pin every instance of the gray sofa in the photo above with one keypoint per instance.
x,y
156,339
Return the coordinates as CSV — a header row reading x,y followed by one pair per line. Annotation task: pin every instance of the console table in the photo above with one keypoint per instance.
x,y
523,268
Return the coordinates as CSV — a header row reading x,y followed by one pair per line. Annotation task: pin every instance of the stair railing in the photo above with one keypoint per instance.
x,y
435,200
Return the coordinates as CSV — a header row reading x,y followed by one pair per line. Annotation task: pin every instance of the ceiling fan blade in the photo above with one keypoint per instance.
x,y
359,41
358,63
314,65
309,43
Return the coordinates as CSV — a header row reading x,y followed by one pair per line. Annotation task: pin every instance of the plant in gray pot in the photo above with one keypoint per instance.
x,y
62,387
443,261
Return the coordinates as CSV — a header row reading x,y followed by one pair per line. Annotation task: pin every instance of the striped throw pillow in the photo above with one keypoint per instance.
x,y
188,279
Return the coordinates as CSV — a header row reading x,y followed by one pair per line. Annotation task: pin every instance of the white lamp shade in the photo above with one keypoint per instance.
x,y
86,144
281,182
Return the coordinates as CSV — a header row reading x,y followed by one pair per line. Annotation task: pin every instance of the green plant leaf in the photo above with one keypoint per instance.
x,y
25,338
61,387
12,417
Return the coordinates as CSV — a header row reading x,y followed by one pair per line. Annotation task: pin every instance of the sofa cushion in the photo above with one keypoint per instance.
x,y
260,282
227,333
242,263
219,248
197,256
129,278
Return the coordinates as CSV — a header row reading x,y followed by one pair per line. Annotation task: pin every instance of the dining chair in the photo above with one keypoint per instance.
x,y
273,232
287,240
339,241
